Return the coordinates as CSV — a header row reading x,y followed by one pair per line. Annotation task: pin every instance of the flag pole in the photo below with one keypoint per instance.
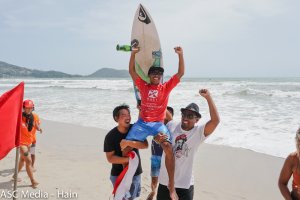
x,y
16,173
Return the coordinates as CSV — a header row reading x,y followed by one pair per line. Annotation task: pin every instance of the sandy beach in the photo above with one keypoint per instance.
x,y
79,63
71,161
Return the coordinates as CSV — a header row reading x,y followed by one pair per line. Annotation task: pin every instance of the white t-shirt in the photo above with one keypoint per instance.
x,y
185,146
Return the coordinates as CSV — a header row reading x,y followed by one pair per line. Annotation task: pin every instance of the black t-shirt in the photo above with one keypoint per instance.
x,y
112,143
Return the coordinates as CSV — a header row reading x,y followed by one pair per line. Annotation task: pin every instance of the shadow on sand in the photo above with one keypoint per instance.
x,y
7,172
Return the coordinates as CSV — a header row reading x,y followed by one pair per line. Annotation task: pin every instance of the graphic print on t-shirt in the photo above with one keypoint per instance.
x,y
153,94
181,148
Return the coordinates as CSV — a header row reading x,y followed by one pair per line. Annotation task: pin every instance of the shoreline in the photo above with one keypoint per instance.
x,y
149,139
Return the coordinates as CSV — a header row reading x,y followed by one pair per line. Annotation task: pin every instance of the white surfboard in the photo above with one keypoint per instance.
x,y
144,35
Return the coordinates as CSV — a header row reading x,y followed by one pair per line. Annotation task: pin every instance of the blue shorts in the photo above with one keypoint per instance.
x,y
141,130
155,165
135,188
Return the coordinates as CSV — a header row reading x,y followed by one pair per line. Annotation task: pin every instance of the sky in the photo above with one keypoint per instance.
x,y
220,38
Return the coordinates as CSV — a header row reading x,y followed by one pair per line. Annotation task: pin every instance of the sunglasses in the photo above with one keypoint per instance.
x,y
188,115
156,73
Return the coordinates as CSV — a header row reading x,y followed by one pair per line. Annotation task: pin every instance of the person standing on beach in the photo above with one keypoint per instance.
x,y
30,123
154,97
187,136
291,167
112,149
156,153
33,145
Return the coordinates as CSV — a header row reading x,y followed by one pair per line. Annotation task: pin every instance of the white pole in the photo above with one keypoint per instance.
x,y
16,173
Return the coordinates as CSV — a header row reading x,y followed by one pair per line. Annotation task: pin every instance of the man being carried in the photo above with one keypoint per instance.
x,y
154,98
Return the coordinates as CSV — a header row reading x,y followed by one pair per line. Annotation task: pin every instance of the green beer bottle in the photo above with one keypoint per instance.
x,y
124,48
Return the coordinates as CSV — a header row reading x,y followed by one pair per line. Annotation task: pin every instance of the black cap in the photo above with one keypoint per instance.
x,y
152,69
192,107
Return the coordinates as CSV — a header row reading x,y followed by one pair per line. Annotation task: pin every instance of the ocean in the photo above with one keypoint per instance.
x,y
260,114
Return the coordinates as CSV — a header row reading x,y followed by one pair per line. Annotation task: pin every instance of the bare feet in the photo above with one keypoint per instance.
x,y
151,196
33,169
34,184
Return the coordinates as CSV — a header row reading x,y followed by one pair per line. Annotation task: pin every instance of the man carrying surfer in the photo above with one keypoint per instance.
x,y
112,149
156,153
154,98
187,137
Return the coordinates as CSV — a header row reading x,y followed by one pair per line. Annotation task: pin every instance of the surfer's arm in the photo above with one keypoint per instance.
x,y
112,158
132,71
214,115
181,66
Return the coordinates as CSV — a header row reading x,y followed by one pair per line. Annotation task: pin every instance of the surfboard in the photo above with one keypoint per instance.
x,y
144,35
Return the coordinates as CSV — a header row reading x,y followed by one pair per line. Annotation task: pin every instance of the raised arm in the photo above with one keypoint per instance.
x,y
181,66
214,115
284,178
112,158
132,71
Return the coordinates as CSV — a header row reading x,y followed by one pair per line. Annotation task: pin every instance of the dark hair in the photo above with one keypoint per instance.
x,y
29,120
116,111
152,69
171,110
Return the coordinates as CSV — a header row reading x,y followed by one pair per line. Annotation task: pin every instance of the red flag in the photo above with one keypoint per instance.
x,y
10,119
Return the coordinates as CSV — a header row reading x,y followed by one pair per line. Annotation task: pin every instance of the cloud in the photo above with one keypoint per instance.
x,y
216,20
204,20
95,21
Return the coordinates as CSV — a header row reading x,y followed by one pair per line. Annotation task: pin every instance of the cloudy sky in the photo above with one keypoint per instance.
x,y
221,38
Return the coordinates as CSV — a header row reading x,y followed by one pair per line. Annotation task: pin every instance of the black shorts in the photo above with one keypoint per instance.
x,y
183,194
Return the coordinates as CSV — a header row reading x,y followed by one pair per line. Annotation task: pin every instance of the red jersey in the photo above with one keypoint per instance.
x,y
155,98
